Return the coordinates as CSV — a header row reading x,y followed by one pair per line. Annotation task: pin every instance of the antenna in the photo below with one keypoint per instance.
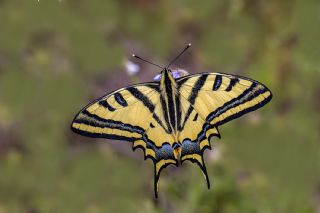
x,y
189,45
133,55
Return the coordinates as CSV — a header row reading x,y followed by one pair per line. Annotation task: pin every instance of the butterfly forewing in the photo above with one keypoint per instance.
x,y
222,97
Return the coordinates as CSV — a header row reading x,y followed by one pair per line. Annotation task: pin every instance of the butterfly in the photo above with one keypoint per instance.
x,y
173,118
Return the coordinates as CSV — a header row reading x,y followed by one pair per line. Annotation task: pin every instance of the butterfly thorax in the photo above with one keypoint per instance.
x,y
170,103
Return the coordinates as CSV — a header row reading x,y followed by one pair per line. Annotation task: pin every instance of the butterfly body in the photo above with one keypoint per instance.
x,y
172,120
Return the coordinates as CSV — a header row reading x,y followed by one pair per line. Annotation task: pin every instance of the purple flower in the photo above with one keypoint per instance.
x,y
179,73
176,73
157,77
131,68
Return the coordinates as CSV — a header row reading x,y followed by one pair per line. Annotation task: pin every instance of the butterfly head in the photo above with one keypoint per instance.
x,y
166,71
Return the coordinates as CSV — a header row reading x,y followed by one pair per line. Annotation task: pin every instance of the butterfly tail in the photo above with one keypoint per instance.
x,y
204,171
198,159
158,167
156,181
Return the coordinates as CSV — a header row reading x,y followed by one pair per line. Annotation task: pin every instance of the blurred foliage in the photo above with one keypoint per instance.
x,y
55,56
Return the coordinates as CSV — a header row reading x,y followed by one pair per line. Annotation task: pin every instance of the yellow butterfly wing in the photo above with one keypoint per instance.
x,y
131,114
209,100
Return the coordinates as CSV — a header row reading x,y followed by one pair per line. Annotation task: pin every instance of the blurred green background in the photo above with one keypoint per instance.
x,y
57,55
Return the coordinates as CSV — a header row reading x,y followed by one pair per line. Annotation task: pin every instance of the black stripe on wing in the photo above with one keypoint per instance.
x,y
217,82
193,95
147,103
233,82
105,104
120,100
165,114
178,110
249,94
107,136
96,121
